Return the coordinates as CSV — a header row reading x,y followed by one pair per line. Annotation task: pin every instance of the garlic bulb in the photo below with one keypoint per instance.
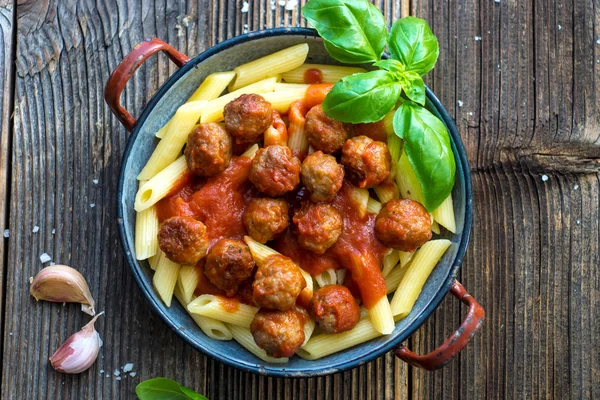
x,y
62,284
80,350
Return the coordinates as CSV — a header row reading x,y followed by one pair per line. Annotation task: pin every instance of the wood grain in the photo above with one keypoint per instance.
x,y
524,98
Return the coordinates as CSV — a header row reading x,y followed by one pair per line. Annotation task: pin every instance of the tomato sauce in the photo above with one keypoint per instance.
x,y
313,75
230,305
373,130
312,263
315,94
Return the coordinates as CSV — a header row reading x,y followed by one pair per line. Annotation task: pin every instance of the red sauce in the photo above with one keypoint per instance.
x,y
374,130
229,304
313,75
315,94
312,263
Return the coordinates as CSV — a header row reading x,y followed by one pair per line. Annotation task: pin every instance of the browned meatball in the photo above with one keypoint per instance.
x,y
322,176
183,240
318,226
334,308
277,283
228,264
208,149
278,333
247,117
265,218
367,162
275,170
324,133
403,224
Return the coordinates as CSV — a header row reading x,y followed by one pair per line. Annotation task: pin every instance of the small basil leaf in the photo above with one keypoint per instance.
x,y
413,87
192,394
394,66
354,31
414,45
427,146
160,389
365,97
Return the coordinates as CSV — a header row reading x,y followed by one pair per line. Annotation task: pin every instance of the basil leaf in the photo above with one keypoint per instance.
x,y
413,87
427,146
192,394
414,45
354,31
365,97
394,66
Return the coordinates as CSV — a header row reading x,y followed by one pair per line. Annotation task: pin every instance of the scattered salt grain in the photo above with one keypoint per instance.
x,y
36,229
281,3
118,378
559,27
95,181
10,333
53,231
245,7
245,28
127,367
544,178
108,375
273,4
471,113
598,41
132,374
44,258
291,5
6,233
117,372
578,222
460,103
575,187
53,263
496,1
477,38
101,371
92,205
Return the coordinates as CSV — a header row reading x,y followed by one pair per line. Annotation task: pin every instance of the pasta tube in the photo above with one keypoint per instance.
x,y
165,278
393,279
146,234
246,340
189,276
213,86
425,259
169,148
273,64
381,316
389,262
360,198
327,277
283,99
251,151
225,309
386,191
444,214
373,206
160,185
297,140
329,73
211,327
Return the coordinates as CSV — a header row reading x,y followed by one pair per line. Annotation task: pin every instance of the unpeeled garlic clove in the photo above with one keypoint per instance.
x,y
62,284
80,350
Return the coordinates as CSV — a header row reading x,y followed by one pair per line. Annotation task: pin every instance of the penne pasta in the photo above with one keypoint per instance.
x,y
162,131
435,227
388,126
360,198
165,278
327,277
407,180
160,185
424,261
389,262
273,64
309,328
146,234
329,73
292,86
189,276
341,275
405,257
260,252
153,261
306,294
250,152
444,214
381,316
392,280
246,340
211,327
283,99
297,141
325,344
213,112
224,309
386,191
277,133
176,135
373,206
212,86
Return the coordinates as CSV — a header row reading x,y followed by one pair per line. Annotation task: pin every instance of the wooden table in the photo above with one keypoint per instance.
x,y
521,79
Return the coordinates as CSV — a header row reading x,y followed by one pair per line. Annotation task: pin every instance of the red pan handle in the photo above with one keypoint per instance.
x,y
456,342
125,70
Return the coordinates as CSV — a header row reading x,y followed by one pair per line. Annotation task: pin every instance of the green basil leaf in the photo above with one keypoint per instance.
x,y
192,394
413,87
414,45
160,389
427,146
365,97
354,31
394,66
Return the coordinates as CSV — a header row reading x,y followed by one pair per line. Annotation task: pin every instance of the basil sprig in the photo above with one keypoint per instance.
x,y
355,32
163,388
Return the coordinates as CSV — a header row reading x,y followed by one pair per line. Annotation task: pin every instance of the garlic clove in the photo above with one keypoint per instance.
x,y
80,350
62,284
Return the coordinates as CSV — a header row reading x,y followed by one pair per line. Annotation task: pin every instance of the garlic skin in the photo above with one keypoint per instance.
x,y
80,350
62,284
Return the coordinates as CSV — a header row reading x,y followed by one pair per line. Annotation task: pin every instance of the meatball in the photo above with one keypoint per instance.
x,y
334,308
275,170
247,117
183,240
278,333
266,218
228,264
324,133
277,283
318,226
208,149
373,130
403,224
322,176
367,162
